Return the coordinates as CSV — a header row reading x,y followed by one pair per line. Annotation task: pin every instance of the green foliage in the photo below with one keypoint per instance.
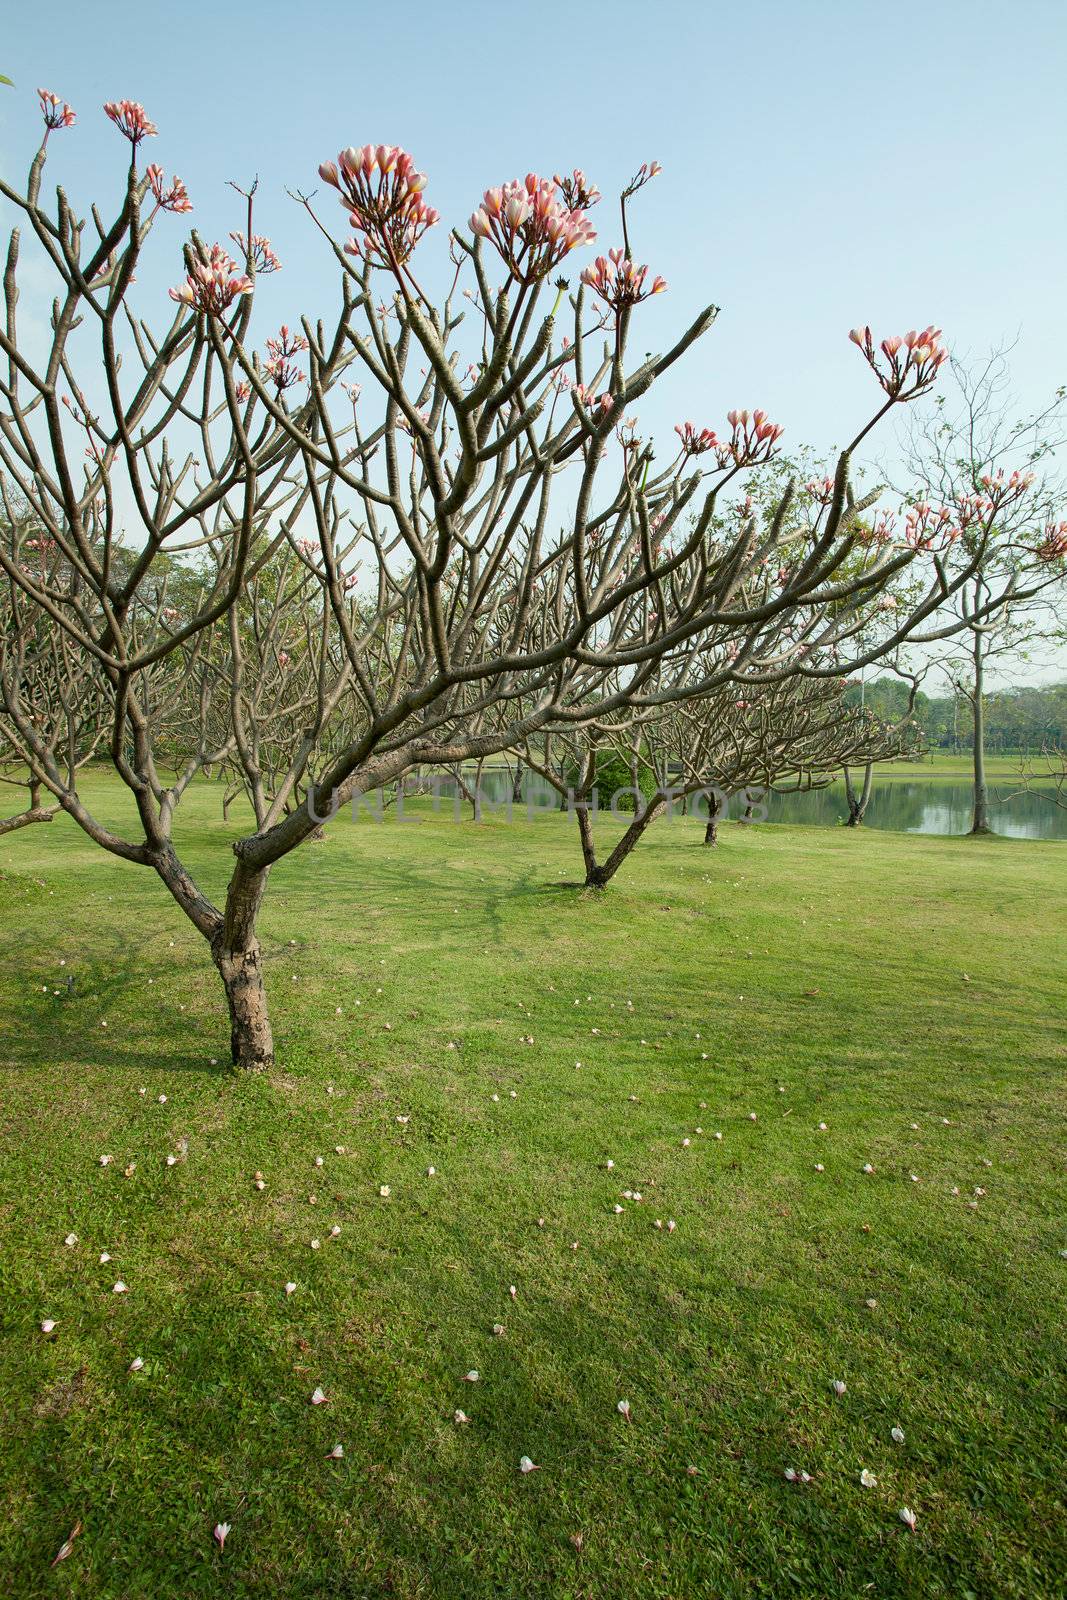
x,y
616,775
1024,718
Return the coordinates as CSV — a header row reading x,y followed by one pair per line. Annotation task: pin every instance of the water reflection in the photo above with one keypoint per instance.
x,y
927,806
940,806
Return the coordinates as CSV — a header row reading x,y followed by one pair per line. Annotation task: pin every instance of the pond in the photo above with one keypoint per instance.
x,y
927,805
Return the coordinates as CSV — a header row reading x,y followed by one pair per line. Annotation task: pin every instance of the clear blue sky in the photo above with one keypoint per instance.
x,y
824,163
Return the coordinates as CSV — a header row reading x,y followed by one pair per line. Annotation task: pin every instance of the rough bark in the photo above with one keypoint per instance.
x,y
237,955
251,1040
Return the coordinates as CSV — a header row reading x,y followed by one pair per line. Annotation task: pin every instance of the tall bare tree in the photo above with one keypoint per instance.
x,y
963,453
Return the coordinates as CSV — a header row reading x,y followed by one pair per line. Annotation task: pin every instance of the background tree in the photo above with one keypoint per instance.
x,y
964,455
793,735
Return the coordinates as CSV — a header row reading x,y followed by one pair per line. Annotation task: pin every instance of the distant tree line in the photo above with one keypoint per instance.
x,y
1026,718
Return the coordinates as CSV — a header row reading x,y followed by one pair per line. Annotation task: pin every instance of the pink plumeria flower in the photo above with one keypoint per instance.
x,y
912,362
382,192
620,282
175,199
131,119
56,114
213,284
529,226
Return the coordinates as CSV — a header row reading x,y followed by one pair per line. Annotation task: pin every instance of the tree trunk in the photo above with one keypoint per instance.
x,y
516,785
251,1040
711,832
598,876
585,834
980,818
237,955
857,803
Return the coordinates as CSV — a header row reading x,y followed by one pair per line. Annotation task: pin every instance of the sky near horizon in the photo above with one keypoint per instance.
x,y
825,163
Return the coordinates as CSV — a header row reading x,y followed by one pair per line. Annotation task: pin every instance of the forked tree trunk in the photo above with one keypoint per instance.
x,y
857,803
234,949
599,874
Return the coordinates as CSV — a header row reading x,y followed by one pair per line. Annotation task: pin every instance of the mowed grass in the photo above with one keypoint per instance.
x,y
865,980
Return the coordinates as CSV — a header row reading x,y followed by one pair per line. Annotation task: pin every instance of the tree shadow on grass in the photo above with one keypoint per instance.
x,y
46,1029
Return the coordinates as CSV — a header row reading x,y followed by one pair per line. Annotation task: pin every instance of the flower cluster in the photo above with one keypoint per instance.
x,y
694,443
646,171
131,119
382,193
619,281
929,528
1002,491
604,402
1053,546
821,489
176,198
279,364
913,361
753,438
530,227
56,114
213,285
879,532
578,193
261,256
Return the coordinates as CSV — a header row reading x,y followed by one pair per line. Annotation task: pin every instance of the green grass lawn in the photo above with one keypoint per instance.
x,y
942,765
878,983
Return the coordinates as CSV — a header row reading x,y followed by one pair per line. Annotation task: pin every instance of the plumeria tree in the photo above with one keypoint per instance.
x,y
451,491
791,735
